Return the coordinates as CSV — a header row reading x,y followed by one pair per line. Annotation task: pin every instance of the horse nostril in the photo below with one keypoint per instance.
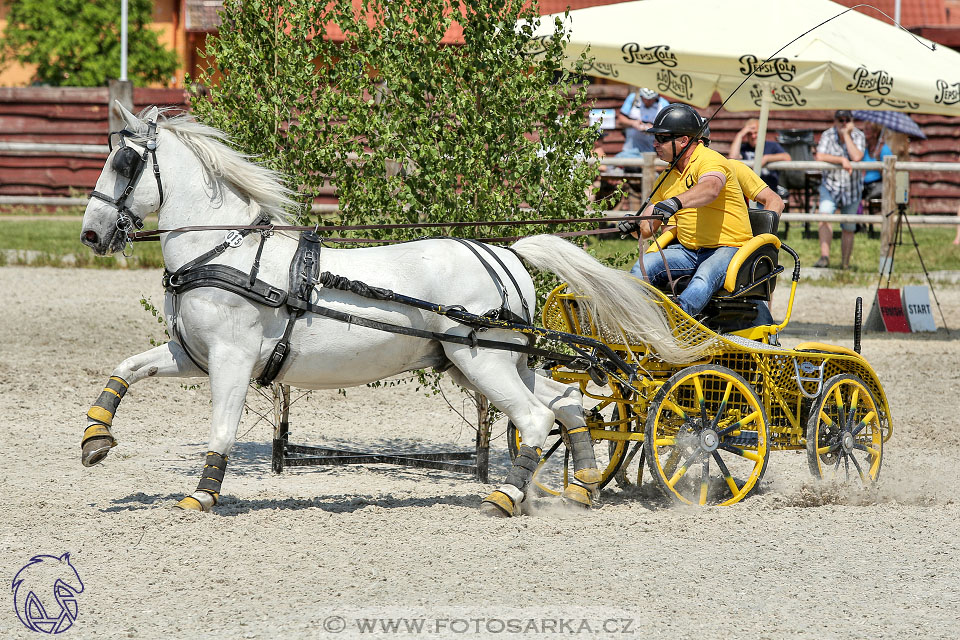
x,y
90,236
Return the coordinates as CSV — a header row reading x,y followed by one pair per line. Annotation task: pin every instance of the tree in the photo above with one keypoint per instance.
x,y
405,127
77,42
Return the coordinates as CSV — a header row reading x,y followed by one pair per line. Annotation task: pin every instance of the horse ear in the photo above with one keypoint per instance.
x,y
151,116
132,121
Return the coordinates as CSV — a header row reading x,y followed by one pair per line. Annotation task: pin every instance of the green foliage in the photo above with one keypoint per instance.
x,y
148,305
76,43
405,127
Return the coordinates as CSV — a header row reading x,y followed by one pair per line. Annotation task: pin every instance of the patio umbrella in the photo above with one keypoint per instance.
x,y
892,120
688,50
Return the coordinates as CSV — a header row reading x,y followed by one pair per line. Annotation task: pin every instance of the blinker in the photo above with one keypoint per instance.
x,y
126,162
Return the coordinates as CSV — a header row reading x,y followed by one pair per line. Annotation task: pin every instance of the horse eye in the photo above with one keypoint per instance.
x,y
125,162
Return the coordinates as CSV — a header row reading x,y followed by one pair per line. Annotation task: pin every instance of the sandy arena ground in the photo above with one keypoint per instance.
x,y
307,553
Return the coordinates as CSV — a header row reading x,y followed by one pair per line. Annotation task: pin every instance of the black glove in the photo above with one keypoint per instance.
x,y
666,208
627,225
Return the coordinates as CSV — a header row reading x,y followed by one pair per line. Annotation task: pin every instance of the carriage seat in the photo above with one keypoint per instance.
x,y
751,274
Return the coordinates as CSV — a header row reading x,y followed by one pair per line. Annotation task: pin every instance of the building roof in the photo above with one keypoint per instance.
x,y
938,20
201,15
913,13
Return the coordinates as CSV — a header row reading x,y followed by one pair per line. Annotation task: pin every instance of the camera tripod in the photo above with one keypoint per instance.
x,y
896,239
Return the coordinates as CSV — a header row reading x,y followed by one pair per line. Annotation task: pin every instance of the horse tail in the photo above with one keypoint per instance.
x,y
614,298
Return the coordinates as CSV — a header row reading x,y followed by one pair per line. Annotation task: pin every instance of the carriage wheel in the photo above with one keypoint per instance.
x,y
556,463
706,436
844,438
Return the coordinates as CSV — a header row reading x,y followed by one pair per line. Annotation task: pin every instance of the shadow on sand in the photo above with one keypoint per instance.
x,y
343,503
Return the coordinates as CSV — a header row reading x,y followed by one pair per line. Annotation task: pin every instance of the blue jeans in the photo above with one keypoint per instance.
x,y
707,266
829,205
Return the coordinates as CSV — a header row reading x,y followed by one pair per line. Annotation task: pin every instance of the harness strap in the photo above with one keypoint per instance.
x,y
470,340
234,239
303,277
492,319
255,269
222,276
527,317
504,303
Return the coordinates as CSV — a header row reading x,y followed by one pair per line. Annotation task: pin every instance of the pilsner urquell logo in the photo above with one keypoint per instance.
x,y
45,593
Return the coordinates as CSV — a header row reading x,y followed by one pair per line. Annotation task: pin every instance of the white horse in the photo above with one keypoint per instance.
x,y
186,173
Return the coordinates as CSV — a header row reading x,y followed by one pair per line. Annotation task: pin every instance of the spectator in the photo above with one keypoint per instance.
x,y
744,147
636,116
840,189
877,149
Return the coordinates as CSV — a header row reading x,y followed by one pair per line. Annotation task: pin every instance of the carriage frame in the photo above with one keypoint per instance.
x,y
746,397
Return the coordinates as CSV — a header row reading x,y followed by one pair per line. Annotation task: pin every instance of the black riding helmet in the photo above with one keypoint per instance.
x,y
678,120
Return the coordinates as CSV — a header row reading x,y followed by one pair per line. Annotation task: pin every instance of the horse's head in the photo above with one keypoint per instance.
x,y
122,199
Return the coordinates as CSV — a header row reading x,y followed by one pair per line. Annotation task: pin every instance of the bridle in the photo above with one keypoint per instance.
x,y
130,164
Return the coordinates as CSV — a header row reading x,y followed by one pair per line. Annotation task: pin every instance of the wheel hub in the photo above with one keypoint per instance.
x,y
709,440
847,441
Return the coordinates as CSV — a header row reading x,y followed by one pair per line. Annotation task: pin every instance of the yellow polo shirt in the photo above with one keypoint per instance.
x,y
722,223
750,183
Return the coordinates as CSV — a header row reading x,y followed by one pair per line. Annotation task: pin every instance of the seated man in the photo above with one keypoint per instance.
x,y
744,146
756,190
703,192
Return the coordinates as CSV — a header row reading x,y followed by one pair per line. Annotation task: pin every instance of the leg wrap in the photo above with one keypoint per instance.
x,y
508,498
212,477
584,460
106,405
523,467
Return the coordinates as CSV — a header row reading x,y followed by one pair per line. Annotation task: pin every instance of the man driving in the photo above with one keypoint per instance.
x,y
702,197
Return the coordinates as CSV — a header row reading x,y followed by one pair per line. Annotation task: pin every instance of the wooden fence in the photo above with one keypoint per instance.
x,y
65,115
78,116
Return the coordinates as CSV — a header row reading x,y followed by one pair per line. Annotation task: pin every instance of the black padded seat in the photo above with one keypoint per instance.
x,y
751,276
749,271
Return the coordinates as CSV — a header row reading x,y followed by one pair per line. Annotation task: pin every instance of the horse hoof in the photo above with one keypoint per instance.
x,y
493,511
576,496
190,503
95,450
499,505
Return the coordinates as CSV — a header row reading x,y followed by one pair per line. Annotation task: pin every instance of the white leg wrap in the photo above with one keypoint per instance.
x,y
515,494
204,498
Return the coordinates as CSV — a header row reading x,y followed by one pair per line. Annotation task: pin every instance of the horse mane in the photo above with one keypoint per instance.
x,y
258,183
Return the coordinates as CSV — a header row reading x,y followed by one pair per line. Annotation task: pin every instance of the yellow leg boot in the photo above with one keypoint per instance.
x,y
578,495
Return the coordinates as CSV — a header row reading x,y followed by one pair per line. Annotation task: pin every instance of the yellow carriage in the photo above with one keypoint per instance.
x,y
705,429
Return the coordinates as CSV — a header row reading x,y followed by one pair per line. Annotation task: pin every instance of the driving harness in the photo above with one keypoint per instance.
x,y
303,276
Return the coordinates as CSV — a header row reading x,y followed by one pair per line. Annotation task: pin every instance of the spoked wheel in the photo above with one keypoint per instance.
x,y
706,436
844,438
556,462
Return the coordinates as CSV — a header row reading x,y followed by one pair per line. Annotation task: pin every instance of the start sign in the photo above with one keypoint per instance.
x,y
916,302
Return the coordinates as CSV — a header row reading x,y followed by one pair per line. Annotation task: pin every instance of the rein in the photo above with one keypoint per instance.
x,y
153,235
